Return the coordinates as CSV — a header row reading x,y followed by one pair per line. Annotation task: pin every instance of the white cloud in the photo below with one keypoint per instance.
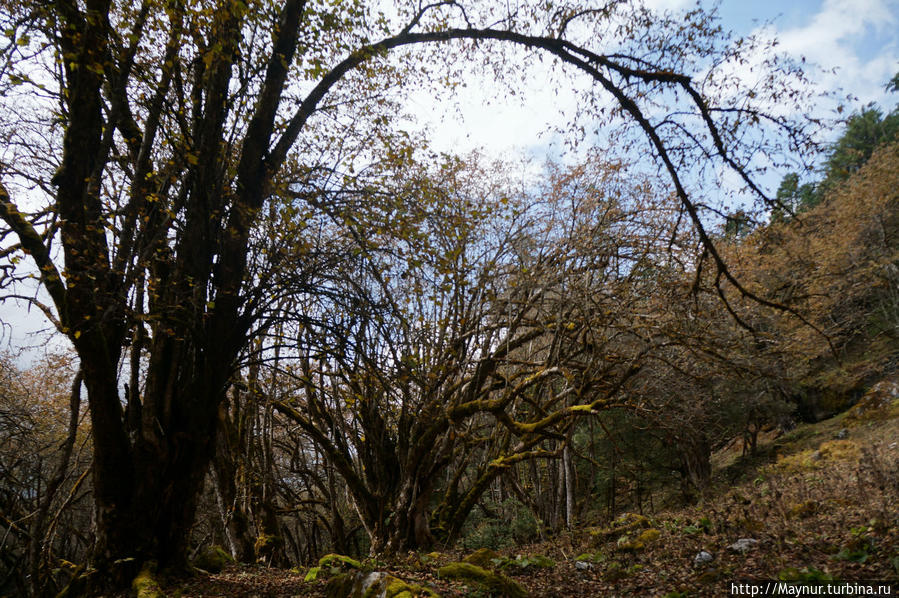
x,y
834,38
668,4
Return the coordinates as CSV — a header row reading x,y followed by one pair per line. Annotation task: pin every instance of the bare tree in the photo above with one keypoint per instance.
x,y
157,133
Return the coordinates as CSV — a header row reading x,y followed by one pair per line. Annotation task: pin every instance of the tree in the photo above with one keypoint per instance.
x,y
153,136
43,473
865,131
837,264
458,348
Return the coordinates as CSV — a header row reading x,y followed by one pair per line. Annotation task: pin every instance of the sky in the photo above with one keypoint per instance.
x,y
850,45
856,39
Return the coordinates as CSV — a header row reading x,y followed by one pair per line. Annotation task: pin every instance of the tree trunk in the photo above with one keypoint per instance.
x,y
568,467
146,494
234,518
696,467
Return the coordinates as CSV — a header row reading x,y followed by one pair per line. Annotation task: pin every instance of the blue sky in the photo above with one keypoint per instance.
x,y
858,38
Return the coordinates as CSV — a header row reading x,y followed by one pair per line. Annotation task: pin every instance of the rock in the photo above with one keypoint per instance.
x,y
875,404
631,543
522,562
703,558
623,525
743,545
339,561
484,579
374,584
213,559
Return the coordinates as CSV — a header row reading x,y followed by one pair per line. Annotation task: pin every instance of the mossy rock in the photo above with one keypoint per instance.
x,y
339,561
633,543
394,587
826,454
524,563
482,578
213,559
145,584
876,404
591,557
375,584
628,522
484,558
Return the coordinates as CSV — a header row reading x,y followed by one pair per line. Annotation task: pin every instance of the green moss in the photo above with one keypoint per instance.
x,y
213,559
525,562
539,561
649,535
395,587
339,561
634,543
623,525
145,584
827,453
482,578
312,574
359,584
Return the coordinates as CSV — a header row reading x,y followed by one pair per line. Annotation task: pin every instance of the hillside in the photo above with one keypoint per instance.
x,y
818,503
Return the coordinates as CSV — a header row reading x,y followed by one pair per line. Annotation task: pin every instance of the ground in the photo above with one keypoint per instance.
x,y
821,502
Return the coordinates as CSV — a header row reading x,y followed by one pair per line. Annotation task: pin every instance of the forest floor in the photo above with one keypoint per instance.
x,y
818,503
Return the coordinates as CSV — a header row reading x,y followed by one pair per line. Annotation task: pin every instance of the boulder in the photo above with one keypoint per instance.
x,y
626,523
213,559
703,558
373,584
634,543
483,579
